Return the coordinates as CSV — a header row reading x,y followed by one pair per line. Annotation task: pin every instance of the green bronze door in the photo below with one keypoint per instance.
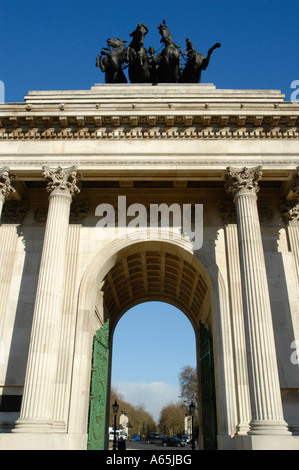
x,y
209,423
98,393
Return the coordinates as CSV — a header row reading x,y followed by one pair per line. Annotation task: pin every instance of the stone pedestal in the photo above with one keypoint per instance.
x,y
266,406
37,413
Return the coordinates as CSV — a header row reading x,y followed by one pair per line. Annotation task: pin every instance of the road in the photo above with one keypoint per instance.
x,y
132,445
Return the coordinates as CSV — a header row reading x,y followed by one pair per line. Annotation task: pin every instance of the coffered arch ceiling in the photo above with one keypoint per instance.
x,y
154,275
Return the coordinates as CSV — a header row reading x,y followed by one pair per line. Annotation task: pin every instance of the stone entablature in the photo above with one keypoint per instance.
x,y
151,112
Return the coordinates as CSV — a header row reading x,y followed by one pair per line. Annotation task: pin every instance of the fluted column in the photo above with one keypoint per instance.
x,y
67,330
5,186
38,399
265,398
8,240
235,289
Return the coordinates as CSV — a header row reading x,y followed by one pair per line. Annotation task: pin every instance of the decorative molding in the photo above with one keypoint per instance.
x,y
34,163
99,384
243,181
149,127
265,214
63,181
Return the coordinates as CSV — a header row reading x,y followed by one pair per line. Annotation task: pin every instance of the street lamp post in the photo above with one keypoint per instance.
x,y
115,407
191,412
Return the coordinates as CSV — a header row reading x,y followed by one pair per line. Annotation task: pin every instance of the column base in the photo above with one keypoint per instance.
x,y
243,429
39,426
258,428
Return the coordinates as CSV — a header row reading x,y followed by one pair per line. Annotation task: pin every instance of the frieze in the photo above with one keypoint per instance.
x,y
138,162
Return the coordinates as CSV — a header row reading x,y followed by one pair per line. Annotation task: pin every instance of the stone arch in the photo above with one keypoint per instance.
x,y
105,263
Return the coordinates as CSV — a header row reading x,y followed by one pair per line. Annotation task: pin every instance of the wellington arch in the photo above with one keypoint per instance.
x,y
63,288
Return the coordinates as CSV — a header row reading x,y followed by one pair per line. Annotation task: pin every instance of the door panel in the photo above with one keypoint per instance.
x,y
208,390
98,394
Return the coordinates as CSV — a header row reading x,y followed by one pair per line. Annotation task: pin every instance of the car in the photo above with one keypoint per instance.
x,y
186,439
173,441
119,433
154,438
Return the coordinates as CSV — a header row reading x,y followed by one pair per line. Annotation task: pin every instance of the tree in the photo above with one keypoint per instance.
x,y
139,419
172,419
188,385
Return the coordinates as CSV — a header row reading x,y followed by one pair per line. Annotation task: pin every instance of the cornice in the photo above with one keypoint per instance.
x,y
31,126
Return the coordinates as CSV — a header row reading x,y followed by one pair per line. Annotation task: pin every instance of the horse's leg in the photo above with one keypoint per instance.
x,y
102,63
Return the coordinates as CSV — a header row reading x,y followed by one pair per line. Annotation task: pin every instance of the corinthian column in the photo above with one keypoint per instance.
x,y
265,398
8,240
290,214
5,186
39,390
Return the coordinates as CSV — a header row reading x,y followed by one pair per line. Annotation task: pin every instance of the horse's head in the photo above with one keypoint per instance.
x,y
139,33
116,43
164,31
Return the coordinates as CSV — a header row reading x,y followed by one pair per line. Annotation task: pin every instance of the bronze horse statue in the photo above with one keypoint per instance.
x,y
112,62
146,67
196,62
169,60
136,56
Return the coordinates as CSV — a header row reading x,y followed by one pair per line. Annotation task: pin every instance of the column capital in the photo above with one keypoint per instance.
x,y
241,181
295,184
63,181
5,183
290,211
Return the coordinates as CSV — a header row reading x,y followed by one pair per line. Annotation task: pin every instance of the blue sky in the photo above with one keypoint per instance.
x,y
53,45
152,342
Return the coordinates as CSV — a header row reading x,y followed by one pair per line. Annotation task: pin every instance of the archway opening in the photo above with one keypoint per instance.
x,y
152,343
152,271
